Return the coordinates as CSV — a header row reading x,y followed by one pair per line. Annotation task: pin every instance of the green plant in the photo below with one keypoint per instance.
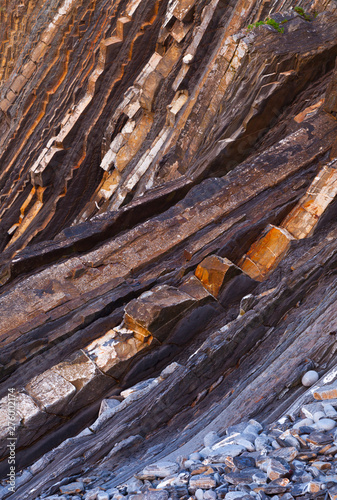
x,y
269,22
302,13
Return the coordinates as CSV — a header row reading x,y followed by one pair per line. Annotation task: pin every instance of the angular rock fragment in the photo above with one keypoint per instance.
x,y
289,453
112,351
159,469
245,476
326,392
302,220
214,272
276,470
265,254
320,438
201,481
72,488
156,312
51,391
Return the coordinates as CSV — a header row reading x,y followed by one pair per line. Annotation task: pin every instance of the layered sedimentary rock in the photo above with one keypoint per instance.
x,y
168,201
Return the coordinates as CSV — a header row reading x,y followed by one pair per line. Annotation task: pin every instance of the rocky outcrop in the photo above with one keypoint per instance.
x,y
168,201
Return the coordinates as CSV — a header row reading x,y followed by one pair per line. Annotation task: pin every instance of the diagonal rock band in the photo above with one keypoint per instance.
x,y
168,185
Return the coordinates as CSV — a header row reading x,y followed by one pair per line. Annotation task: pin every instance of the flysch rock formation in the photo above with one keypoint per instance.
x,y
168,184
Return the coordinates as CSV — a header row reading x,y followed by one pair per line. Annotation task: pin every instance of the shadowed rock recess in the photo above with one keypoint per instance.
x,y
168,235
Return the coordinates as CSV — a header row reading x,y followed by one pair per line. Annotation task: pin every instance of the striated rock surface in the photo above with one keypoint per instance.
x,y
168,183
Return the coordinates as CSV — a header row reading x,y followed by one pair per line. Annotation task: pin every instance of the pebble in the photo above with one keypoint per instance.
x,y
320,438
244,442
329,410
276,470
219,455
92,494
243,462
202,481
310,378
211,438
289,453
160,469
69,489
199,494
232,495
326,424
303,422
103,496
134,485
318,415
209,495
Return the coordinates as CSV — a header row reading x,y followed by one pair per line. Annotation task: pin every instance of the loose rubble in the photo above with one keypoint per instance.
x,y
294,458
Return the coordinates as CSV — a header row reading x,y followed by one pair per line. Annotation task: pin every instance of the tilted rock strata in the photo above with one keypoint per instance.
x,y
129,167
220,253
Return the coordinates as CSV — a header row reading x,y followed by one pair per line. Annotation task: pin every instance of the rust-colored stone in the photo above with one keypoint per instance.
x,y
214,272
266,253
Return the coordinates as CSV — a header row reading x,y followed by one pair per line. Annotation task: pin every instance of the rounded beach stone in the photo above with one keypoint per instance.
x,y
211,438
326,424
318,415
199,494
209,495
310,378
302,423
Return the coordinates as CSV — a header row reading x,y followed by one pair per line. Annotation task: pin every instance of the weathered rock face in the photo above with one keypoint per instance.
x,y
168,189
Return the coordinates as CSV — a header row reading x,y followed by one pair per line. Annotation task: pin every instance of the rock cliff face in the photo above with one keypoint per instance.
x,y
168,184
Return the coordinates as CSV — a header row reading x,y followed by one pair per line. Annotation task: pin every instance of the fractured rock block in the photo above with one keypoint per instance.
x,y
156,312
183,8
180,30
193,287
109,49
173,109
82,373
123,27
266,253
135,141
326,392
302,220
51,391
19,410
169,59
300,223
112,350
110,185
331,95
18,84
149,90
28,69
39,51
214,272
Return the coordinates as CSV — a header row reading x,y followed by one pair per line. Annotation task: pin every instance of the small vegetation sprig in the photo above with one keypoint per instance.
x,y
302,13
269,22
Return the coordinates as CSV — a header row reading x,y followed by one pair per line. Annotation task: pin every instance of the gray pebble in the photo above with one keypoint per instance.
x,y
211,438
310,378
318,415
209,495
199,494
326,424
